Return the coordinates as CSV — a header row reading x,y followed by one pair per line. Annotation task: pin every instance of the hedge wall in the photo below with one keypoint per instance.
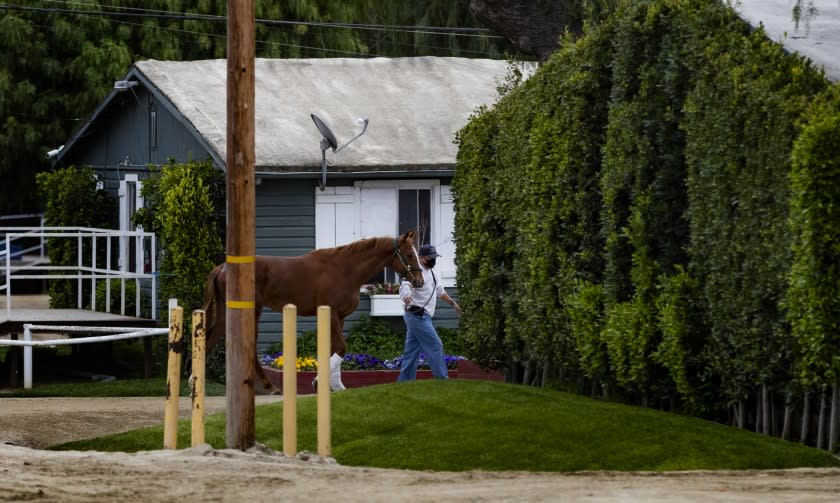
x,y
652,214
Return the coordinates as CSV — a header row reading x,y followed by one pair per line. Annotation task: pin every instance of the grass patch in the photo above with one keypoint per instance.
x,y
466,425
155,386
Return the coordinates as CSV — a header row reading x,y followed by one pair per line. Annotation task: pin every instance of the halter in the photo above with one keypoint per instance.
x,y
407,268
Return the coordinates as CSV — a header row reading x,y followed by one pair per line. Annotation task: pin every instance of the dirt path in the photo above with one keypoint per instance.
x,y
204,474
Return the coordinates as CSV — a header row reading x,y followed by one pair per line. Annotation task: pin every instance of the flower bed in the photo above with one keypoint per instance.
x,y
350,378
363,370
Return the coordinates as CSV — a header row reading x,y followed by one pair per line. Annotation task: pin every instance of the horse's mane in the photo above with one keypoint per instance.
x,y
356,246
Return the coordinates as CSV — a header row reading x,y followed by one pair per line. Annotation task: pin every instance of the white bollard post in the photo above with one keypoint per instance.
x,y
27,357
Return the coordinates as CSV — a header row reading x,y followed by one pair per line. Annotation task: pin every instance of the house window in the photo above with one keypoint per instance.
x,y
414,211
374,208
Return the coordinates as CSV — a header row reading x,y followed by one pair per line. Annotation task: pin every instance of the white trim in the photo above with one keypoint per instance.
x,y
125,222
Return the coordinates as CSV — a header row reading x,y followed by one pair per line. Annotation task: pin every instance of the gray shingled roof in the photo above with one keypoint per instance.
x,y
415,107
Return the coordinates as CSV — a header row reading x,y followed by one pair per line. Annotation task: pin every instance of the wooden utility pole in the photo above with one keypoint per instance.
x,y
241,227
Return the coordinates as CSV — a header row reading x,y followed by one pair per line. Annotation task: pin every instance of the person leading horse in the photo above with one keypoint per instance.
x,y
324,277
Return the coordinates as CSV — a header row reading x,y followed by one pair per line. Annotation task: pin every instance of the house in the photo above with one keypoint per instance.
x,y
396,176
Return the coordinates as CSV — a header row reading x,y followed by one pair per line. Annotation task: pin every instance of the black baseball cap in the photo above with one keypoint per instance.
x,y
428,251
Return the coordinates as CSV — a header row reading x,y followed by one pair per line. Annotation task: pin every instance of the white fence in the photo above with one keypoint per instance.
x,y
28,343
128,256
117,333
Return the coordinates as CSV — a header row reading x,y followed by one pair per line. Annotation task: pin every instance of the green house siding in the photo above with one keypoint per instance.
x,y
131,133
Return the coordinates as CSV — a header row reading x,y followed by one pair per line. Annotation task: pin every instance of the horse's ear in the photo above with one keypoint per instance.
x,y
409,236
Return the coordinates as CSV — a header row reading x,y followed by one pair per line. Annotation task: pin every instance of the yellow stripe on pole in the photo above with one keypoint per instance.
x,y
241,259
240,304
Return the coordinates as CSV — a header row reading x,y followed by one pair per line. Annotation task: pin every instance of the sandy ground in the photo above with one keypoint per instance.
x,y
205,474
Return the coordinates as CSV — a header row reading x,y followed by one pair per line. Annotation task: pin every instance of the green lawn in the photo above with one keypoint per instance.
x,y
466,425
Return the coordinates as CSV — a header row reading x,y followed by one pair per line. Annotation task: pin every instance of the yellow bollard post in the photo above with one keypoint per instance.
x,y
173,378
289,380
324,440
197,378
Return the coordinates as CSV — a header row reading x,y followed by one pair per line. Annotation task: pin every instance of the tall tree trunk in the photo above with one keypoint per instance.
x,y
821,421
547,372
741,414
765,409
806,418
788,416
835,416
526,375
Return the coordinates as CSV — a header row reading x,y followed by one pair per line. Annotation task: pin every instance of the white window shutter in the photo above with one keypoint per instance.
x,y
334,217
378,211
445,234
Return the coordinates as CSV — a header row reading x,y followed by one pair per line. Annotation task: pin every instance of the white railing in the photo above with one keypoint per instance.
x,y
117,333
28,343
27,248
97,242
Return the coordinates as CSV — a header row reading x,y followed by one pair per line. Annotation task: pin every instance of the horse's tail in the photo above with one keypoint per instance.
x,y
211,303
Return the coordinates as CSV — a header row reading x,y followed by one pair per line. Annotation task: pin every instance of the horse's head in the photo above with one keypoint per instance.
x,y
405,261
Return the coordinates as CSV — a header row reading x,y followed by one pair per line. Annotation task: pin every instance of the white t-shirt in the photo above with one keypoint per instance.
x,y
432,289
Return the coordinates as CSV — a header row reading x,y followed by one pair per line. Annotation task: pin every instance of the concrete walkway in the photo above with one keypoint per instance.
x,y
819,40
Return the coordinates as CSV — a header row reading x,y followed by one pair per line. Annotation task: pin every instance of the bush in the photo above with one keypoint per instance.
x,y
372,336
186,210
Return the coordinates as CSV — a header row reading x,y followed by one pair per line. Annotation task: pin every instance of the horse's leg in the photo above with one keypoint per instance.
x,y
337,342
339,347
258,370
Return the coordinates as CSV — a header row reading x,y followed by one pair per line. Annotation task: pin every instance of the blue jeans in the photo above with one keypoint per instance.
x,y
421,335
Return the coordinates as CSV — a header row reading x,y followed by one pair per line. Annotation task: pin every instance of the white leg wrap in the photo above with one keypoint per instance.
x,y
335,373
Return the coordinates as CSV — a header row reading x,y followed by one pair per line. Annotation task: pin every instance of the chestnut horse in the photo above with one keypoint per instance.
x,y
325,277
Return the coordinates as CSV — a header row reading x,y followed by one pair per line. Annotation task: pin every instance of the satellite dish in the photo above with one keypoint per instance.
x,y
326,132
328,140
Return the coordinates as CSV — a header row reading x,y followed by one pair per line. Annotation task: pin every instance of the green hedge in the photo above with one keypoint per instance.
x,y
185,204
630,215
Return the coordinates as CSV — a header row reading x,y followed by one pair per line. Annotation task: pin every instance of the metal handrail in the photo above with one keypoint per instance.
x,y
86,268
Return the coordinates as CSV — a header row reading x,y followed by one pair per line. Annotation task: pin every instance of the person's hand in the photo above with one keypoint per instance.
x,y
407,300
456,307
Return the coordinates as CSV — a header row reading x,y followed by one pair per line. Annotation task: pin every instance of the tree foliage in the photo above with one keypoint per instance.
x,y
184,210
814,293
653,210
58,60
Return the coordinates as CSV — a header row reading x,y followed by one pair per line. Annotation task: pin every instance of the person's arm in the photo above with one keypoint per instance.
x,y
449,300
405,292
